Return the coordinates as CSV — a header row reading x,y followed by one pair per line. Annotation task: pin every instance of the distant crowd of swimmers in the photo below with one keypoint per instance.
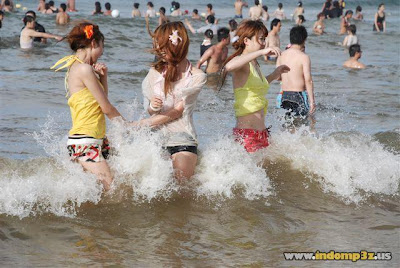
x,y
172,84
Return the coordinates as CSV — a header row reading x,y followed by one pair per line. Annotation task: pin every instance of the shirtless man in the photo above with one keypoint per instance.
x,y
62,16
136,12
355,55
273,39
298,80
71,6
239,4
255,13
217,54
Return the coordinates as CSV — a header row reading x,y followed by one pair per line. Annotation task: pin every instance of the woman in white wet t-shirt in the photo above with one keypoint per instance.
x,y
170,90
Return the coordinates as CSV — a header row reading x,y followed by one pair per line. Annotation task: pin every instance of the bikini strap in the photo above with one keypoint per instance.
x,y
68,60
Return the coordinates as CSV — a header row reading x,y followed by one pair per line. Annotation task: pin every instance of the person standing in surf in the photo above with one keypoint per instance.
x,y
87,87
250,86
170,90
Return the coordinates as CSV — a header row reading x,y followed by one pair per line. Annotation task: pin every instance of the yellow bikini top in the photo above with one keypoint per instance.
x,y
87,116
251,97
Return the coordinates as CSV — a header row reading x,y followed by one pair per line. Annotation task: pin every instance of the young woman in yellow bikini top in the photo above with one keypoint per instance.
x,y
250,86
86,83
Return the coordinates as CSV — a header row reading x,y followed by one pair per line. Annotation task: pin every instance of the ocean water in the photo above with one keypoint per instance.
x,y
335,189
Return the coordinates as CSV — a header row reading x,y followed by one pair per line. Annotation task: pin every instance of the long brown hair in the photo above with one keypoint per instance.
x,y
247,28
169,55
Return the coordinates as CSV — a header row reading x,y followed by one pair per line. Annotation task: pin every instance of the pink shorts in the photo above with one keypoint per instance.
x,y
251,139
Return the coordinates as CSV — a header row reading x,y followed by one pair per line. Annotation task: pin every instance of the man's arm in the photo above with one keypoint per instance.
x,y
189,25
309,83
206,56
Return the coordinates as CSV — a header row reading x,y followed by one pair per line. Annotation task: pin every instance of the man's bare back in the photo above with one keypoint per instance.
x,y
62,18
215,57
298,62
255,13
239,7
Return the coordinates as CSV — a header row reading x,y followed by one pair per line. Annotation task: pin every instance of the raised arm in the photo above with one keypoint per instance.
x,y
239,61
92,83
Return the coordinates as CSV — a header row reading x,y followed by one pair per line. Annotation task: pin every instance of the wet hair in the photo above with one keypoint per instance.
x,y
210,6
381,4
51,3
348,12
246,29
222,33
195,11
274,22
28,19
353,49
177,5
211,19
280,5
352,28
233,24
358,8
136,5
209,34
169,55
265,8
298,35
31,12
107,6
300,4
150,4
162,10
7,3
46,6
320,15
63,7
301,17
77,38
256,2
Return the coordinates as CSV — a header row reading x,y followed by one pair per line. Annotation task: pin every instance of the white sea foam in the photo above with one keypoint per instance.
x,y
349,164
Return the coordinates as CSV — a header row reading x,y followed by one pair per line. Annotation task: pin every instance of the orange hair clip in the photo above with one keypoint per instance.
x,y
88,31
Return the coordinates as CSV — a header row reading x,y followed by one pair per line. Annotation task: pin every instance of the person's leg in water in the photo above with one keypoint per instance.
x,y
101,170
184,164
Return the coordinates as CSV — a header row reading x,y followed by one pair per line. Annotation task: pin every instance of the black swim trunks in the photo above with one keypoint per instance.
x,y
295,102
182,148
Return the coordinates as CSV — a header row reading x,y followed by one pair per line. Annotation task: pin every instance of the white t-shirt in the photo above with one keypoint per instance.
x,y
180,131
151,13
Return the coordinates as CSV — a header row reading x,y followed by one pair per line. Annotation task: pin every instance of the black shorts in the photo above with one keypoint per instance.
x,y
181,148
295,102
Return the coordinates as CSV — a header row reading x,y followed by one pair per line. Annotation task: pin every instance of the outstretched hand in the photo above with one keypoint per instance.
x,y
272,51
